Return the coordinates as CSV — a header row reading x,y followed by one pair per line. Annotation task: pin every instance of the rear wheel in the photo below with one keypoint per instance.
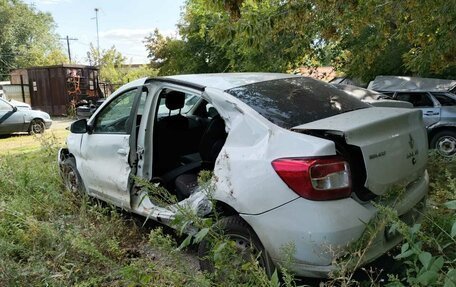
x,y
36,127
71,177
445,143
246,241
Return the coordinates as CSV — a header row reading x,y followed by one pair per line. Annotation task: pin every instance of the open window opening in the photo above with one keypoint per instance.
x,y
188,136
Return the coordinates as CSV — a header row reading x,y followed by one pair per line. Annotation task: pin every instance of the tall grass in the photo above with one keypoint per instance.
x,y
50,237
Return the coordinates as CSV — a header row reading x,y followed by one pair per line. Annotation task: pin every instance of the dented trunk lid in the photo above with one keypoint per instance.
x,y
393,143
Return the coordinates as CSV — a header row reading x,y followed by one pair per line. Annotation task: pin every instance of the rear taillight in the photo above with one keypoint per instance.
x,y
323,178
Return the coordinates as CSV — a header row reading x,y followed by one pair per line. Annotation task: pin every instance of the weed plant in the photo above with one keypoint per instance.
x,y
51,237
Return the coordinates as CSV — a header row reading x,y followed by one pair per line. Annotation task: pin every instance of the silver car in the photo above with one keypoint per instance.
x,y
434,97
371,97
18,119
439,116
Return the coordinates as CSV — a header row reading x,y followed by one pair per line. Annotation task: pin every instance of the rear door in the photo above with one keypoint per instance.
x,y
424,102
105,152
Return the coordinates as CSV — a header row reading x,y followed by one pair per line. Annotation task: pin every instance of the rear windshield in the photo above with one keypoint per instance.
x,y
294,101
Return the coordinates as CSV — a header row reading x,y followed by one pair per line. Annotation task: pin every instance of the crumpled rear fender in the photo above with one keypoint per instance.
x,y
243,175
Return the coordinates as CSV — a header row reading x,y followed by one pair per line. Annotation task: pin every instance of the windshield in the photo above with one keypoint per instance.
x,y
296,101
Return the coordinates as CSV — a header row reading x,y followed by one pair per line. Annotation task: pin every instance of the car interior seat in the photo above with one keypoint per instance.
x,y
174,100
170,134
210,146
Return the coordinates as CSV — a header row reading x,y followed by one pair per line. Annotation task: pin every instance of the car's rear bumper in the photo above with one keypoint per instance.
x,y
321,231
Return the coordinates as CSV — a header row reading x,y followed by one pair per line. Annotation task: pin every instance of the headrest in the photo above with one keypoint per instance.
x,y
175,100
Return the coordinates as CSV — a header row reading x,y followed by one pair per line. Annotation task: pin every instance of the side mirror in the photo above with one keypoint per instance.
x,y
79,127
14,109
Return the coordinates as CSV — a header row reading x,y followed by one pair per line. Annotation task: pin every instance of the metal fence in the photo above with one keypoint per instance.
x,y
17,92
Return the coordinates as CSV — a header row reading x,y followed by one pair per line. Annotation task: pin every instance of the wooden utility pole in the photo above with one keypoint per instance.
x,y
68,39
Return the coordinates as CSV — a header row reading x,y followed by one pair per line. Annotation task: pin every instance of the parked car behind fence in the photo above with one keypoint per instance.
x,y
17,118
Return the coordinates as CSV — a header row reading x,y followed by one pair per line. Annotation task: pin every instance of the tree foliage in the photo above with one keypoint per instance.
x,y
195,53
361,38
114,68
400,37
27,37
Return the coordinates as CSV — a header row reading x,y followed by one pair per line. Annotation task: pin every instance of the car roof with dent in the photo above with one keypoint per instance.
x,y
226,81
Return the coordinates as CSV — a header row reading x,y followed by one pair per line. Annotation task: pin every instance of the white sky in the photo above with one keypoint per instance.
x,y
123,24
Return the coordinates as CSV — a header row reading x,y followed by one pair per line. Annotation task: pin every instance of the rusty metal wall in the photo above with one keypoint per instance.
x,y
58,95
39,89
51,92
15,76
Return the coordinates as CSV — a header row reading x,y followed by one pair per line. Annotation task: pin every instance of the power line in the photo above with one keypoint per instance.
x,y
68,39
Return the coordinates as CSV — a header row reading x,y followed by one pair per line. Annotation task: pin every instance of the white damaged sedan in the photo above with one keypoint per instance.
x,y
294,159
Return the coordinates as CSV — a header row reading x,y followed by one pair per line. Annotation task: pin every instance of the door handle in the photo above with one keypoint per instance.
x,y
122,151
431,113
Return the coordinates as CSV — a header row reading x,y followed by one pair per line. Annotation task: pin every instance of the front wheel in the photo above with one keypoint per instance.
x,y
445,143
71,177
246,243
36,127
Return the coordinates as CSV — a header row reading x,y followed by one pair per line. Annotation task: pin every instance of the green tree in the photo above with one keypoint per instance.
x,y
219,36
114,68
194,53
27,37
360,38
396,37
109,61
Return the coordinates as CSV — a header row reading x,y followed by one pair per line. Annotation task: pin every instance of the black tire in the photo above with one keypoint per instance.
x,y
36,127
445,143
238,230
71,177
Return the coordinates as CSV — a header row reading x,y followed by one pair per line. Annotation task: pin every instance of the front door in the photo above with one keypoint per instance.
x,y
11,120
423,101
105,164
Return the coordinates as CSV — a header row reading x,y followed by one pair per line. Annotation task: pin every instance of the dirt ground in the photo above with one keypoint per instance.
x,y
23,142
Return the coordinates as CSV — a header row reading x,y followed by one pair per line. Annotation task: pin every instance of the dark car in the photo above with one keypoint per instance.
x,y
86,109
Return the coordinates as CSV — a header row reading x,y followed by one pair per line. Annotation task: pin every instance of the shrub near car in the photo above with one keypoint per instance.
x,y
295,160
18,117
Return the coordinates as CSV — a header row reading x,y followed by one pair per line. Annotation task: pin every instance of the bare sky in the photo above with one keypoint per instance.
x,y
123,24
